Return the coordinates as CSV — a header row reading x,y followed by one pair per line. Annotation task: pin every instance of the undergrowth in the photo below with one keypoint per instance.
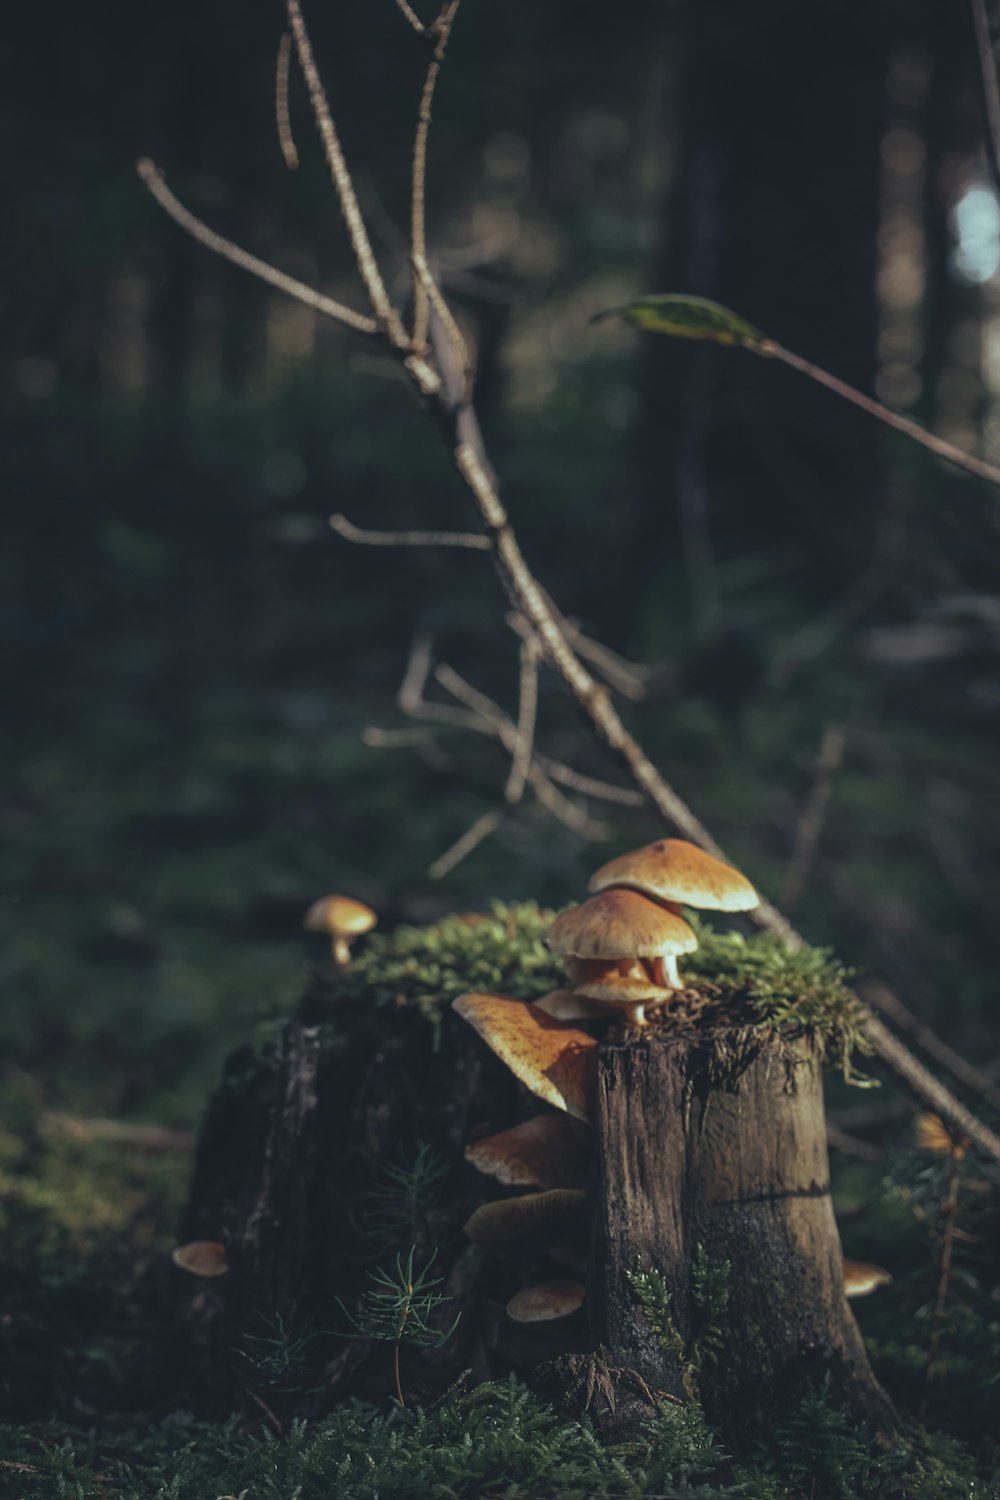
x,y
494,1442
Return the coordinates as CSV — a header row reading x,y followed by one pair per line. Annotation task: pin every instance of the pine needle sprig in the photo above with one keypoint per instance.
x,y
397,1308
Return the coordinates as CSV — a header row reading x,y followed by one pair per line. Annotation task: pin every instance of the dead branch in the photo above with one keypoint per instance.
x,y
351,533
810,826
471,839
282,113
450,400
527,715
153,178
425,290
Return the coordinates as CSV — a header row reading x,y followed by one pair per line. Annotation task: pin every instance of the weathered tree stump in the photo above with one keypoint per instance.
x,y
711,1169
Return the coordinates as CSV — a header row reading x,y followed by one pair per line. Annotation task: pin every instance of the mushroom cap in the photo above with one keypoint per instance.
x,y
552,1059
861,1278
533,1214
569,1005
934,1135
548,1300
621,924
547,1151
602,979
341,916
674,870
201,1258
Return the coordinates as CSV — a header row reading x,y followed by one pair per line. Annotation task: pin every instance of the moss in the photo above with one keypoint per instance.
x,y
499,952
754,983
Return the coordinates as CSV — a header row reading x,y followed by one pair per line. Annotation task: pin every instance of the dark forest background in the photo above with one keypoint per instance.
x,y
190,656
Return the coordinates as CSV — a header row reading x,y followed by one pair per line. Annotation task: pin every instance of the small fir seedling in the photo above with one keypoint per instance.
x,y
397,1308
398,1206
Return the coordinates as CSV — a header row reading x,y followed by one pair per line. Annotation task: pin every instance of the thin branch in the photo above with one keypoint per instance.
x,y
527,716
590,786
810,825
620,674
989,90
474,540
395,739
422,291
452,407
929,440
888,1004
411,16
385,314
471,839
282,114
153,178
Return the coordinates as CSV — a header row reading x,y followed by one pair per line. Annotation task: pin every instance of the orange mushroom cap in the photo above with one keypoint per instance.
x,y
555,1061
675,870
533,1214
548,1300
602,979
621,924
340,916
547,1151
861,1278
201,1258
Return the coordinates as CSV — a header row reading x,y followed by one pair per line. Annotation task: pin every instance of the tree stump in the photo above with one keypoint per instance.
x,y
711,1169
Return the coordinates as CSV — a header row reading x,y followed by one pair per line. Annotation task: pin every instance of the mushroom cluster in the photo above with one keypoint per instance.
x,y
620,950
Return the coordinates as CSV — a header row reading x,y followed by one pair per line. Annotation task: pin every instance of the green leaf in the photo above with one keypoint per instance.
x,y
688,318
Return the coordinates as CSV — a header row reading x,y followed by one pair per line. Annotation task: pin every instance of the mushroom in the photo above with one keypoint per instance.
x,y
548,1300
673,870
571,1005
622,926
344,919
547,1151
532,1214
553,1060
934,1135
201,1258
861,1278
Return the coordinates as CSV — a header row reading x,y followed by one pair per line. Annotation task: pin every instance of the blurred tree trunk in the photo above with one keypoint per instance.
x,y
775,214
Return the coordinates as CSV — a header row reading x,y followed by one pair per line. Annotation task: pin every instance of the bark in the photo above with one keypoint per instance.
x,y
713,1151
292,1140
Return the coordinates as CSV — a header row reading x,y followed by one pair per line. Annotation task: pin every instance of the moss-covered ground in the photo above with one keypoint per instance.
x,y
86,1222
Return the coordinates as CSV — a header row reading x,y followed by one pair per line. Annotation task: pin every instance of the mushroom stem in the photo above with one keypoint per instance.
x,y
341,952
635,1014
673,978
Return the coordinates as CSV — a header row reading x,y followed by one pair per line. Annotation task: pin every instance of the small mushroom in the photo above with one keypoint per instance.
x,y
344,919
547,1301
934,1135
547,1151
861,1278
554,1060
677,871
560,1210
623,927
201,1258
570,1005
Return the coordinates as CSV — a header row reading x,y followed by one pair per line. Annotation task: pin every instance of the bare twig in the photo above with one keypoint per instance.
x,y
424,285
153,178
882,999
282,114
527,715
989,90
450,400
471,839
412,18
810,826
121,1132
850,1145
944,1268
385,314
929,440
351,533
